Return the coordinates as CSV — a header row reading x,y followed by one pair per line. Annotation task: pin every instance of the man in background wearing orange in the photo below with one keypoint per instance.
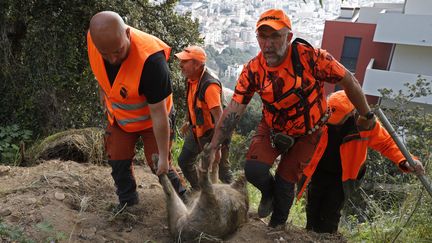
x,y
342,165
204,108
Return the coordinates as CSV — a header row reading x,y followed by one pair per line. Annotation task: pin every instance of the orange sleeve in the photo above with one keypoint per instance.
x,y
327,68
244,89
381,141
212,96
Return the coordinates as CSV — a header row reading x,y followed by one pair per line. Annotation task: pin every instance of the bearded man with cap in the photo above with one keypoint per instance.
x,y
204,105
343,164
135,89
289,77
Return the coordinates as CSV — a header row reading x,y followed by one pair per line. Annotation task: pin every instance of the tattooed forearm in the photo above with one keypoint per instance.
x,y
225,129
229,124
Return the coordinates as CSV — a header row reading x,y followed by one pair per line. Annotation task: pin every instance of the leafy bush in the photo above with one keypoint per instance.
x,y
45,75
238,148
252,116
402,214
229,56
176,149
10,139
13,234
53,234
254,197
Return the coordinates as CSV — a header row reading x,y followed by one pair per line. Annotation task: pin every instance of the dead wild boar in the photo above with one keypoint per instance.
x,y
217,210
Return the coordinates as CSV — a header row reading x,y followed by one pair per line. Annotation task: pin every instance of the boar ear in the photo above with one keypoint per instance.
x,y
240,183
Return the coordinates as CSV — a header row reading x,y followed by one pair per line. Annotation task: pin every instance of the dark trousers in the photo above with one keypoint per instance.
x,y
325,199
282,191
120,149
124,180
188,156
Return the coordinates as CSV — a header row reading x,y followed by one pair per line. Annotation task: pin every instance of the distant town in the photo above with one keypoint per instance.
x,y
231,24
226,23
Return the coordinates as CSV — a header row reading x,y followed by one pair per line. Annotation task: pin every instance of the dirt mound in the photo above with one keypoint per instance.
x,y
71,202
79,145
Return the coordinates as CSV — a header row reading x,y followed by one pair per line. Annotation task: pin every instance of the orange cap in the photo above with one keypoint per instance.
x,y
192,52
340,106
275,18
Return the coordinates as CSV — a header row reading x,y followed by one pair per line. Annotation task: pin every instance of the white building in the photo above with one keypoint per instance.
x,y
233,70
409,31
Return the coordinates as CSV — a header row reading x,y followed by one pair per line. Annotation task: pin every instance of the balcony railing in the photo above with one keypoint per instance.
x,y
379,79
405,29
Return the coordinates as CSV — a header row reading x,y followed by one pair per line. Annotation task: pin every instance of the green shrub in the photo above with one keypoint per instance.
x,y
401,214
254,197
12,234
10,139
53,234
46,80
297,215
176,149
238,148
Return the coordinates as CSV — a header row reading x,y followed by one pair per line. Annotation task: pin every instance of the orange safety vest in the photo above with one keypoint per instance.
x,y
200,116
122,100
353,152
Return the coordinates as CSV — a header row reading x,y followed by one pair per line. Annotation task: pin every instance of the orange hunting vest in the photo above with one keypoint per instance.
x,y
200,116
122,100
294,102
353,153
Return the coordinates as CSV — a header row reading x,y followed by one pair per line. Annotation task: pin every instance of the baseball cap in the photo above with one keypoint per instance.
x,y
192,52
275,18
340,106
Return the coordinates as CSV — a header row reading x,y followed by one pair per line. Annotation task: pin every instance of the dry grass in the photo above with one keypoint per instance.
x,y
80,145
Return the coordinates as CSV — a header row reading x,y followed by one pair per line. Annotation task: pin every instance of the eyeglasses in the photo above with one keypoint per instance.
x,y
273,37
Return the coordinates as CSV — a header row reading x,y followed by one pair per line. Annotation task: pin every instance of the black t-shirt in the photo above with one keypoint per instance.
x,y
331,160
155,83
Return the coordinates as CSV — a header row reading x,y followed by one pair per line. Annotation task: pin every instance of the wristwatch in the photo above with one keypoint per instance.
x,y
368,116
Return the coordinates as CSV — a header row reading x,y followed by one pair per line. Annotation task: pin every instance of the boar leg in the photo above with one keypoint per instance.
x,y
204,177
214,175
175,206
240,183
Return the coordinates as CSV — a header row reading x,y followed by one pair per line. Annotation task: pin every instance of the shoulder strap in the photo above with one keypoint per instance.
x,y
295,57
298,69
187,98
204,86
205,81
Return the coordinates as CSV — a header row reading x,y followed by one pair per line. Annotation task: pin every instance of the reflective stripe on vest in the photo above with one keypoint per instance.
x,y
129,107
127,121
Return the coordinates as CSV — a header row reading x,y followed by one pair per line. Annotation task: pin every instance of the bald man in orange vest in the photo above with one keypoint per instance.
x,y
135,86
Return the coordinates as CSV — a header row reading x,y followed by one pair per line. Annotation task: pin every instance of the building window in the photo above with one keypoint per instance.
x,y
350,52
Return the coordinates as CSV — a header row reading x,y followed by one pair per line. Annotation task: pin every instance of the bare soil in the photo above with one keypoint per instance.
x,y
65,201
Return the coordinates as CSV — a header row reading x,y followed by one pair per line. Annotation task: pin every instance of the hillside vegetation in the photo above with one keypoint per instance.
x,y
48,91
